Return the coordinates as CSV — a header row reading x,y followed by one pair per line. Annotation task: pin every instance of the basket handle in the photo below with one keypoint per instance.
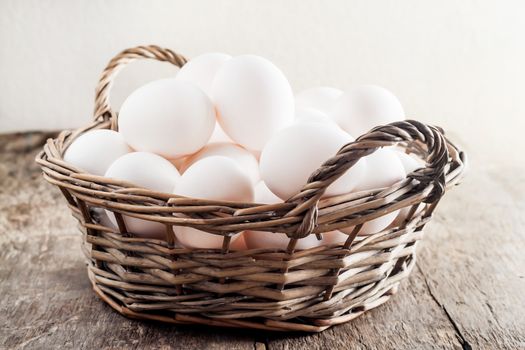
x,y
102,105
410,132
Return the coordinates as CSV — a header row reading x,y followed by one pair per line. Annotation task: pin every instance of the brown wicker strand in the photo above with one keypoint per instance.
x,y
102,104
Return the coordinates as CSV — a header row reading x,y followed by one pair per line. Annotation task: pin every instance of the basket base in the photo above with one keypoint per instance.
x,y
386,287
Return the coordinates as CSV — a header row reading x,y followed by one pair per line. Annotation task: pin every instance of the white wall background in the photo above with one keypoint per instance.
x,y
459,64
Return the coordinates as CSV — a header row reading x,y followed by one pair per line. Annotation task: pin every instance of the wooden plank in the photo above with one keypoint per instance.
x,y
409,320
465,292
473,259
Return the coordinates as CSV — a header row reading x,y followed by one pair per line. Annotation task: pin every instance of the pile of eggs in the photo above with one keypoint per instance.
x,y
230,128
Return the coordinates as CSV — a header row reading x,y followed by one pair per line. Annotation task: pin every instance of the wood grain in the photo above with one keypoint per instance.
x,y
466,292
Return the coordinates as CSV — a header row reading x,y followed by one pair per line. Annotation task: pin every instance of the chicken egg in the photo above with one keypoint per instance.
x,y
334,237
239,243
152,172
215,178
383,169
219,135
246,160
365,107
305,114
410,164
291,156
321,98
95,150
253,99
169,117
201,70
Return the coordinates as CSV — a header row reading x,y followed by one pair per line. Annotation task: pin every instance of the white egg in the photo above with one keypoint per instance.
x,y
276,240
256,154
253,99
168,117
239,243
201,70
365,107
383,169
291,156
215,178
262,239
263,195
410,164
321,98
305,114
150,171
246,160
219,135
375,225
95,150
334,237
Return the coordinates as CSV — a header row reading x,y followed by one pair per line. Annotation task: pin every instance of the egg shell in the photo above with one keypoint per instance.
x,y
239,243
334,237
374,225
256,154
263,195
201,70
292,155
215,178
253,99
95,150
321,98
219,135
410,164
245,159
383,169
276,240
359,110
149,171
304,114
169,117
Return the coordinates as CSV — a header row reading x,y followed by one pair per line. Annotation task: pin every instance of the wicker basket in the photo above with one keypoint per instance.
x,y
271,289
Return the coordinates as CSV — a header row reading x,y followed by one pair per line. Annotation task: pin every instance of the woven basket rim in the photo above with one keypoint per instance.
x,y
146,204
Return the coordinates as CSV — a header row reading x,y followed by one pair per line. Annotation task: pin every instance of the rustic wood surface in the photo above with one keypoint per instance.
x,y
467,291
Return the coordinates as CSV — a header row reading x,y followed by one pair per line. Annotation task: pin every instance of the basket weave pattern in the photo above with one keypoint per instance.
x,y
308,290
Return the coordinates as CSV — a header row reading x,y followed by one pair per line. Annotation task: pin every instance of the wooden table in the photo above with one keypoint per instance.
x,y
467,291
